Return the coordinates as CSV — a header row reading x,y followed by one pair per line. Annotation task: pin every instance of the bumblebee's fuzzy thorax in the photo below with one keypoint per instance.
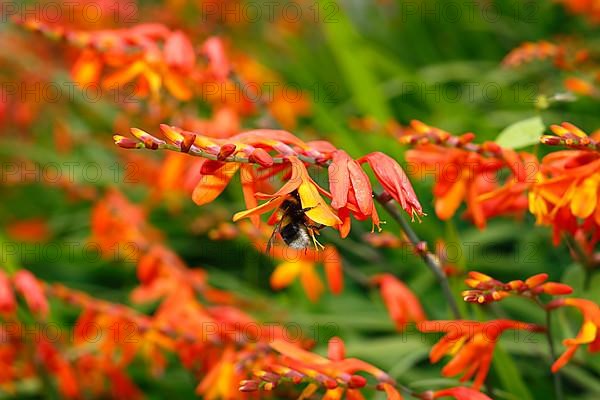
x,y
295,228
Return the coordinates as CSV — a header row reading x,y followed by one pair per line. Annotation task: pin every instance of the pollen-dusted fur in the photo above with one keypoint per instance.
x,y
295,228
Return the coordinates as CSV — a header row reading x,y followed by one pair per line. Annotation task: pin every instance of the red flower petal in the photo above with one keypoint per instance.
x,y
179,52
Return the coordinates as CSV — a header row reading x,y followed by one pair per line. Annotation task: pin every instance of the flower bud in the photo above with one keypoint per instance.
x,y
226,150
356,382
550,140
126,143
150,142
248,386
267,376
492,147
261,157
536,280
188,141
556,289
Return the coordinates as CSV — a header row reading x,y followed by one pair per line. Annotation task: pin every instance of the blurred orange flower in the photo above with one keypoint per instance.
x,y
27,285
31,230
460,393
119,227
567,188
466,172
301,263
588,334
471,344
58,365
8,303
590,9
403,306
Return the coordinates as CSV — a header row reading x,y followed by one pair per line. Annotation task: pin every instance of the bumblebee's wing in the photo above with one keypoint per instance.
x,y
275,232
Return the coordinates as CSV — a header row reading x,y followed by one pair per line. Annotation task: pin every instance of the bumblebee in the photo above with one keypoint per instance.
x,y
296,229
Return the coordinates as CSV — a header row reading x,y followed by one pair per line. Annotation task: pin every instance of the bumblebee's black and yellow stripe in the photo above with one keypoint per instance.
x,y
295,228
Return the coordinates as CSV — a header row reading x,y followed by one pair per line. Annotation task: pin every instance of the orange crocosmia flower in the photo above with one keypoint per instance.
x,y
288,109
460,393
350,190
329,370
118,224
221,382
403,306
391,392
459,175
384,240
567,188
179,52
336,351
220,66
395,181
588,334
135,54
56,363
31,230
471,344
580,86
308,191
87,68
223,123
530,51
215,176
588,8
285,107
160,272
301,263
172,169
151,75
32,291
121,386
508,197
8,303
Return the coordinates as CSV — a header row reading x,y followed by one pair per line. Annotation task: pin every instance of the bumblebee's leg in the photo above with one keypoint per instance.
x,y
316,227
316,243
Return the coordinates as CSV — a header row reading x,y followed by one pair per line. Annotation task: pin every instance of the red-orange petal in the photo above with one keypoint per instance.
x,y
339,179
333,269
211,186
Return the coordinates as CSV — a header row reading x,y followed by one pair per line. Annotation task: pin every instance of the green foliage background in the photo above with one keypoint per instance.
x,y
359,62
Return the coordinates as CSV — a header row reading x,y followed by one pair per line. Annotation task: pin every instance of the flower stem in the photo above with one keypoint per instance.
x,y
431,262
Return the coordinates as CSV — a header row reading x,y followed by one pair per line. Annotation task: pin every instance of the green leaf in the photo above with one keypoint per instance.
x,y
509,375
582,377
351,52
521,134
574,276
